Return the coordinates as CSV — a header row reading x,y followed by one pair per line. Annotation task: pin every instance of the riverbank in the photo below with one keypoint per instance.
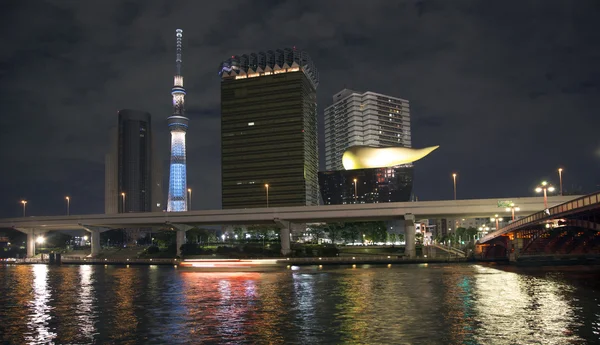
x,y
245,264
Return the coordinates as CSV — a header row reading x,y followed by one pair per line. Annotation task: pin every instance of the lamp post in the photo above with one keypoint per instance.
x,y
495,218
560,170
24,202
68,205
355,192
123,197
545,187
267,188
454,178
189,199
513,208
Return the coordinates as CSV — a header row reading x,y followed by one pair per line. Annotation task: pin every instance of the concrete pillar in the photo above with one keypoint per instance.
x,y
409,236
95,241
284,236
180,240
30,243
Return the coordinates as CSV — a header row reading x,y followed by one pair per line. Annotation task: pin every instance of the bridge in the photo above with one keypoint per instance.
x,y
284,217
571,229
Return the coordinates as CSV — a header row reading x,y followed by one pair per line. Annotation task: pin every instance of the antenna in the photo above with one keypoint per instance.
x,y
179,35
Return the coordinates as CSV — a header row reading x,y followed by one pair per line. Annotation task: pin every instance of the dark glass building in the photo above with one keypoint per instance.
x,y
132,174
269,130
375,185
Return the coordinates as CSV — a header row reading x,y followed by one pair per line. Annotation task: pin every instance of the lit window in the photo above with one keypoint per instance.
x,y
250,123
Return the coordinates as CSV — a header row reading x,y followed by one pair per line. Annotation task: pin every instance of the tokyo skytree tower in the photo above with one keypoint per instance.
x,y
178,125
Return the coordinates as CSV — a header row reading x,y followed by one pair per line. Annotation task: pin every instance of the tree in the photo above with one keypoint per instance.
x,y
419,237
316,231
334,230
392,238
350,232
375,231
238,231
165,238
471,233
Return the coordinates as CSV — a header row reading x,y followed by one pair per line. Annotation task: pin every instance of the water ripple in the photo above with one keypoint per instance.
x,y
419,304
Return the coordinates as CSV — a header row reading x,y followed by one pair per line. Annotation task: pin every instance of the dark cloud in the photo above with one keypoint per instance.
x,y
508,92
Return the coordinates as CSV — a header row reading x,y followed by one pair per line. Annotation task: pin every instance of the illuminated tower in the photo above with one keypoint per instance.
x,y
178,125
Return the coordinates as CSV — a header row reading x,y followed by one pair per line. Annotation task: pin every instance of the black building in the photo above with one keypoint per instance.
x,y
269,130
132,175
375,185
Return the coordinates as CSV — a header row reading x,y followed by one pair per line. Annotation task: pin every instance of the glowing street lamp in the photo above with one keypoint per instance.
x,y
123,198
545,187
454,178
68,205
40,240
495,218
189,199
355,192
560,170
513,208
24,202
267,188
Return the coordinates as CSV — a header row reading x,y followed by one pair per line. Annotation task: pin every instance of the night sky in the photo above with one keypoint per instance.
x,y
510,90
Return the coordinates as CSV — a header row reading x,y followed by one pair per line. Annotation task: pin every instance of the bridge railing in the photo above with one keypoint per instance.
x,y
587,200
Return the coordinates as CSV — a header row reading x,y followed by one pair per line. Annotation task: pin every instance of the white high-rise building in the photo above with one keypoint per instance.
x,y
366,119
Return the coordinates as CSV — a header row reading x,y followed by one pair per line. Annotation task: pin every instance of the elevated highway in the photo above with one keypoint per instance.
x,y
284,217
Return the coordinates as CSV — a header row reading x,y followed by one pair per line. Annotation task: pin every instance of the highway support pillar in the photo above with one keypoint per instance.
x,y
95,232
284,235
180,236
409,236
30,244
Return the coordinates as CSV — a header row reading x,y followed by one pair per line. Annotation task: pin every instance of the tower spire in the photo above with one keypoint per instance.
x,y
179,35
178,125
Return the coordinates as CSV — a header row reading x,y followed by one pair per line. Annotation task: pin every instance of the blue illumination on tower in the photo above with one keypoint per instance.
x,y
178,125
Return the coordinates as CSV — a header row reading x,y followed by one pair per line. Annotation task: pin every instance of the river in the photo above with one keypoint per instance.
x,y
402,304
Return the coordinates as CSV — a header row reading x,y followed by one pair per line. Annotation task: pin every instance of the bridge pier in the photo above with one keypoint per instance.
x,y
284,235
180,235
179,240
30,243
95,232
514,249
409,235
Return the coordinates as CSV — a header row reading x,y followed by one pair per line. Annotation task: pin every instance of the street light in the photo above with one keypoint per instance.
x,y
454,178
560,170
355,193
123,197
68,205
267,188
545,187
513,208
495,218
40,240
24,202
189,199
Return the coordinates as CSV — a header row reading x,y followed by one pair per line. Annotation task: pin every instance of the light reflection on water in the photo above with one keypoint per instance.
x,y
434,304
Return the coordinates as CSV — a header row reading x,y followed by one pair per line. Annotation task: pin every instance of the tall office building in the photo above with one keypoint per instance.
x,y
365,119
178,125
133,179
269,130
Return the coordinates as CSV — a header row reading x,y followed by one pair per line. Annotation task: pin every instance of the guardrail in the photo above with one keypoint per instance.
x,y
573,205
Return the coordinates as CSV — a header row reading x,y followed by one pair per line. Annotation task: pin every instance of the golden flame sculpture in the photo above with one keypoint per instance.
x,y
365,157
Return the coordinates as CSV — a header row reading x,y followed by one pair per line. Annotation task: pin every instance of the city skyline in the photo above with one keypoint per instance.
x,y
508,106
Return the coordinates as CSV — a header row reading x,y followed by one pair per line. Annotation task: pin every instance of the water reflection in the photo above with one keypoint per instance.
x,y
434,304
86,311
39,318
